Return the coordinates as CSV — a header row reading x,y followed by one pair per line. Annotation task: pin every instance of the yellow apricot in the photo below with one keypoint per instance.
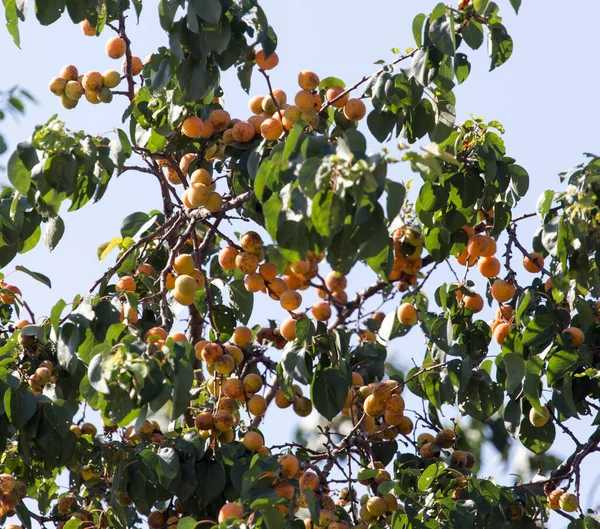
x,y
115,47
355,109
192,127
308,80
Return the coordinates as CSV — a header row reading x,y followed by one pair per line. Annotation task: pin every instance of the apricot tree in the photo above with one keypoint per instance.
x,y
178,440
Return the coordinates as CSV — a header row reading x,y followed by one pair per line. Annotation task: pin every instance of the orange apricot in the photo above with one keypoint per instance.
x,y
271,129
243,131
534,265
308,80
115,47
407,314
266,63
502,290
192,127
355,109
488,266
335,92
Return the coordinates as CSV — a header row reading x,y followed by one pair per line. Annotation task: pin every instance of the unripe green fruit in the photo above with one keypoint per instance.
x,y
105,95
73,90
568,502
538,420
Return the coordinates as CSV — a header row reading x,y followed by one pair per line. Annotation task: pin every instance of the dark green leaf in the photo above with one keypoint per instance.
x,y
328,391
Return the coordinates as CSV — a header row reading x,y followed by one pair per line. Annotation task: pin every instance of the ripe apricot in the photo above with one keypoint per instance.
x,y
464,258
184,264
208,129
224,365
69,73
255,104
271,129
186,285
246,262
268,271
125,284
288,329
501,331
504,312
281,401
424,438
243,132
407,314
253,441
127,313
257,405
446,438
302,407
214,201
192,127
266,63
254,282
155,333
335,282
256,122
186,160
210,352
478,245
374,407
333,93
553,499
87,29
220,119
289,464
57,86
136,65
308,480
280,95
475,303
355,109
197,195
405,425
290,300
304,101
534,265
308,80
502,290
376,506
428,451
115,47
234,389
201,176
577,336
242,336
231,510
488,266
251,242
321,311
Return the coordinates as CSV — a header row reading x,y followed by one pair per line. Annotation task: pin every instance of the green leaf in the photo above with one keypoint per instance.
x,y
20,406
55,314
381,124
544,203
18,174
519,180
462,67
327,212
187,522
539,330
560,363
481,6
396,193
516,5
515,370
537,439
500,45
54,232
417,29
328,391
430,474
241,301
12,21
473,34
49,11
36,275
441,33
208,10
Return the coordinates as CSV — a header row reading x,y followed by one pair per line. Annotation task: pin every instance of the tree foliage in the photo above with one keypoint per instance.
x,y
179,444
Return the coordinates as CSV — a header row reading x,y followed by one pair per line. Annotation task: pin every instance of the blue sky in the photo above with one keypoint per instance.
x,y
543,96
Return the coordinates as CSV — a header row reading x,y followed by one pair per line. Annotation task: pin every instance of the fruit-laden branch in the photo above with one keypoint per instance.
x,y
368,292
385,68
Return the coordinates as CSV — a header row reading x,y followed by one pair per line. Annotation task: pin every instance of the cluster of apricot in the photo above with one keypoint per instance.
x,y
8,292
41,377
67,506
383,408
376,508
559,499
12,491
168,519
408,246
96,87
264,278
